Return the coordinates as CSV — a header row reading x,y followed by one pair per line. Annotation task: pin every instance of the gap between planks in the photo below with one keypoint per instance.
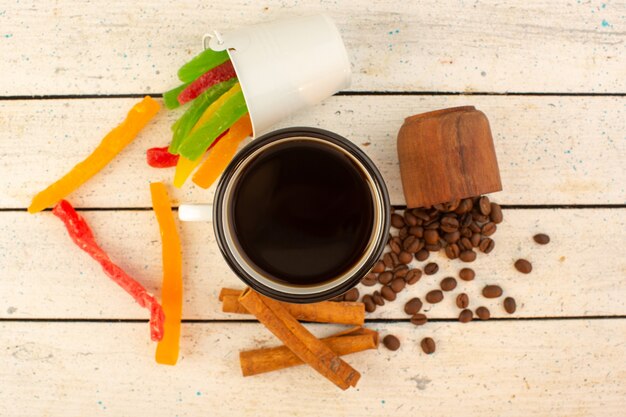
x,y
396,207
367,320
88,96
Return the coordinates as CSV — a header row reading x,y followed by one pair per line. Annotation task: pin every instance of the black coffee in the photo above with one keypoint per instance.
x,y
302,212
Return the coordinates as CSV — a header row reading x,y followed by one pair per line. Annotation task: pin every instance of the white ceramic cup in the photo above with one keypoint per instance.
x,y
285,65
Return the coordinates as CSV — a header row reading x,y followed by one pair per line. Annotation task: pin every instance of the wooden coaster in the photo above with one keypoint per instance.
x,y
447,155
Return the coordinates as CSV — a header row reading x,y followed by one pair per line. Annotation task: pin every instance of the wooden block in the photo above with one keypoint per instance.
x,y
447,155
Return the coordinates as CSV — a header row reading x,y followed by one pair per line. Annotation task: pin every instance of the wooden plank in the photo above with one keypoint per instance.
x,y
580,273
551,150
569,368
64,47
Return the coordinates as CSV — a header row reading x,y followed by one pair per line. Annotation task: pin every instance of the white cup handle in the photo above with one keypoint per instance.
x,y
195,212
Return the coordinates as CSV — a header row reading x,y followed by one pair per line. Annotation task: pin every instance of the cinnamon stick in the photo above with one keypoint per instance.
x,y
231,304
228,291
258,361
299,340
323,312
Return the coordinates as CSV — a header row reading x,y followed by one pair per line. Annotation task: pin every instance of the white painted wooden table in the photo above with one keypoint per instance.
x,y
551,76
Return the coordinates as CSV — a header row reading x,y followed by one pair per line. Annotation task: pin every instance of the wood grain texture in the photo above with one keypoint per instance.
x,y
580,273
64,47
551,150
526,368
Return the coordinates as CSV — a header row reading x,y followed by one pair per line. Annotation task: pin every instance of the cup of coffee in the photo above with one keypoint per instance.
x,y
301,215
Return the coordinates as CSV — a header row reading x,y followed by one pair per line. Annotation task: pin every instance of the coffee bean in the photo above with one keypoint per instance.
x,y
410,219
479,218
464,206
351,295
417,231
431,236
450,205
523,266
403,233
391,342
485,205
431,268
475,239
466,221
370,307
483,313
467,274
465,316
509,305
419,319
369,279
420,214
338,298
496,213
397,221
449,224
413,276
394,259
466,232
413,306
542,238
428,345
405,257
400,271
452,237
448,284
465,244
468,256
453,251
387,293
448,215
462,300
488,229
433,248
422,254
385,278
492,291
434,296
411,244
378,299
397,285
395,246
387,260
486,245
474,227
379,267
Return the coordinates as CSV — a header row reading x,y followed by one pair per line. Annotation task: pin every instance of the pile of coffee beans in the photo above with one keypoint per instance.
x,y
461,229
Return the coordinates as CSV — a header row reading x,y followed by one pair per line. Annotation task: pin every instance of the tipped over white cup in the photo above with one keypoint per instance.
x,y
285,65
